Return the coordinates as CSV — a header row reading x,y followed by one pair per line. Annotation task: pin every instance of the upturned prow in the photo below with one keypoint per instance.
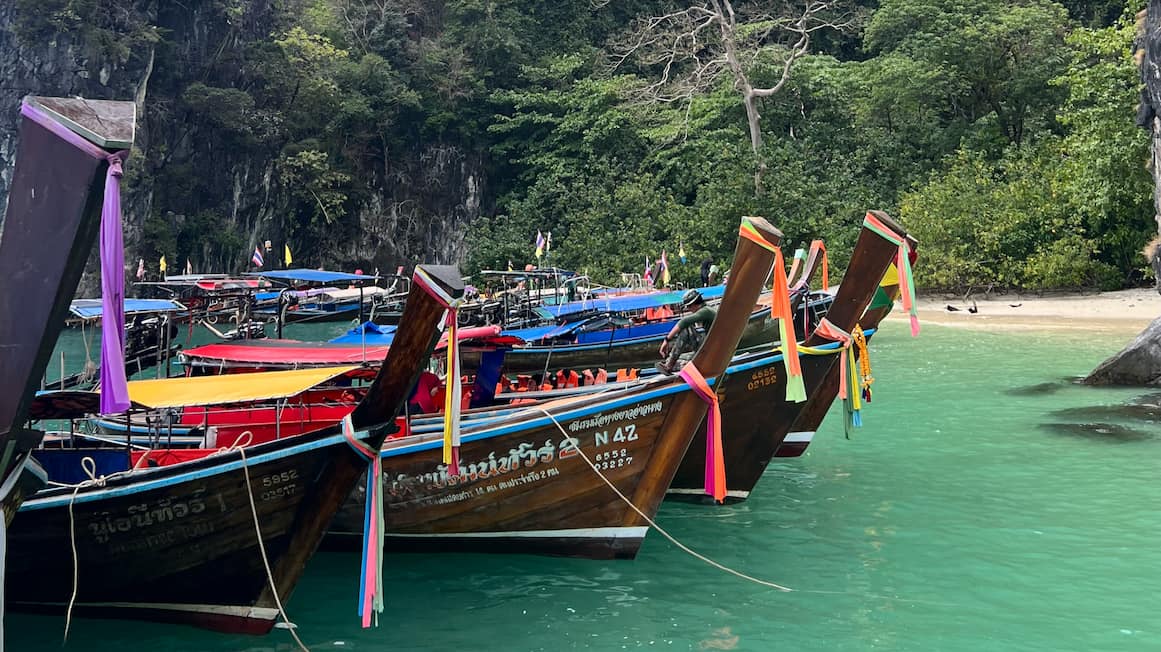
x,y
418,334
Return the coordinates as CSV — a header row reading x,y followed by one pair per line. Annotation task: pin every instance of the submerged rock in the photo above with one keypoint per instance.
x,y
1110,432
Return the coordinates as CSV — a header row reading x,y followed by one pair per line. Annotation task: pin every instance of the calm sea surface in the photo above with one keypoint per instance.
x,y
987,504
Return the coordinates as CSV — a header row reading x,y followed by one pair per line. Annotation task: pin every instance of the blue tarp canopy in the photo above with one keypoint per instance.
x,y
631,302
91,308
539,333
369,332
312,276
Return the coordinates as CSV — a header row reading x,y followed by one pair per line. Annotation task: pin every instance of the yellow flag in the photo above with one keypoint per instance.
x,y
286,254
162,264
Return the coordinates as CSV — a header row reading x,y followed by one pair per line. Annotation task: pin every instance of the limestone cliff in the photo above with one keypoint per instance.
x,y
216,165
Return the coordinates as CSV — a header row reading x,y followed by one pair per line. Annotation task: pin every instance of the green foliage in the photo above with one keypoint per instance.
x,y
999,131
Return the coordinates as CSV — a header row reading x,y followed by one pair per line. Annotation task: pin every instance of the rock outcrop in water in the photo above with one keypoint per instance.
x,y
1139,363
210,176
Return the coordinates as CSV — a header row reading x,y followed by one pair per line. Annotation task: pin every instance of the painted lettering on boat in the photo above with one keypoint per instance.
x,y
602,419
612,459
280,485
762,378
522,458
628,432
145,515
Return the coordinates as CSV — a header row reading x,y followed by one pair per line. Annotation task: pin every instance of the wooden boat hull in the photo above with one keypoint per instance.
x,y
146,546
756,419
526,489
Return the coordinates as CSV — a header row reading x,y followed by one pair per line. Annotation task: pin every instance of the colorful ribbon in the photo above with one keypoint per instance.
x,y
780,309
715,464
374,525
454,392
848,389
818,244
902,263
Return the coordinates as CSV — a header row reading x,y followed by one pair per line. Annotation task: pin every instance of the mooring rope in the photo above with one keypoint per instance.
x,y
672,539
261,545
707,560
89,465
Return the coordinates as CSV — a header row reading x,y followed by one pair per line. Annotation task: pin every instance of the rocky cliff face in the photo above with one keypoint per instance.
x,y
199,185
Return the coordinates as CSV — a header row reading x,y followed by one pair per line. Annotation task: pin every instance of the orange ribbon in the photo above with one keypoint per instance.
x,y
715,464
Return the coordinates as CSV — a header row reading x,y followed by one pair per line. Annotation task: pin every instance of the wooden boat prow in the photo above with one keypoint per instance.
x,y
52,218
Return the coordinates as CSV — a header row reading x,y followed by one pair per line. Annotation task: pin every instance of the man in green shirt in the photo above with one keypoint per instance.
x,y
685,337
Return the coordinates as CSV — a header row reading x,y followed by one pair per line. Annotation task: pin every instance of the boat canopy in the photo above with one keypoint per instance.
x,y
91,308
631,302
283,353
312,276
183,392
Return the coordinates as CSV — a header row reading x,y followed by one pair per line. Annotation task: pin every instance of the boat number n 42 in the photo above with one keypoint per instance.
x,y
627,432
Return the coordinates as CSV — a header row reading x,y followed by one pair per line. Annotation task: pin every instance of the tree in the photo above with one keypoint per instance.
x,y
691,50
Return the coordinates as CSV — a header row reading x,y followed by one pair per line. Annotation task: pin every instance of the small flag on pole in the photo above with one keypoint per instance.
x,y
548,242
539,243
664,268
286,255
257,257
681,251
510,265
140,269
648,275
161,264
188,267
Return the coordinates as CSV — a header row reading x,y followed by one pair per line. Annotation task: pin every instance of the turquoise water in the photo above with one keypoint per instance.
x,y
958,518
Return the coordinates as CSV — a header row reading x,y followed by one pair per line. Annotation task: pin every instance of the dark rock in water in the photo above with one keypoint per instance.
x,y
1040,389
1109,432
1138,364
1129,412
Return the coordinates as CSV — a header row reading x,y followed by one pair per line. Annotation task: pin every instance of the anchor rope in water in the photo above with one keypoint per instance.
x,y
718,565
672,539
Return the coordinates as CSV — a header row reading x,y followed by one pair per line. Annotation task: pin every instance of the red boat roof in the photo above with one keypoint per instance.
x,y
289,353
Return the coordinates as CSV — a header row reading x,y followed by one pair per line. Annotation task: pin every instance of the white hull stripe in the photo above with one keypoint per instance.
x,y
636,532
732,493
799,437
249,613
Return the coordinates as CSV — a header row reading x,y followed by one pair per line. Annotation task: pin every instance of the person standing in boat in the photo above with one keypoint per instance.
x,y
685,337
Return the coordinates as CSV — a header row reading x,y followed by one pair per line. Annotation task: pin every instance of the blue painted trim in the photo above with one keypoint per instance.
x,y
141,486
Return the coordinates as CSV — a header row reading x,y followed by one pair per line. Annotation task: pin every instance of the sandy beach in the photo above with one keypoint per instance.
x,y
1123,311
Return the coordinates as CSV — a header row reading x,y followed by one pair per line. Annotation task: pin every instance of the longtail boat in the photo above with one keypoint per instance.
x,y
890,288
178,543
68,162
755,400
535,481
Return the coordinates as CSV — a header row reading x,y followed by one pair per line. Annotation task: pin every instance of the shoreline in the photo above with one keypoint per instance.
x,y
1121,311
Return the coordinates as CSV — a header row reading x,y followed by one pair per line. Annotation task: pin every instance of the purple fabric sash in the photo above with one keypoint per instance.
x,y
114,389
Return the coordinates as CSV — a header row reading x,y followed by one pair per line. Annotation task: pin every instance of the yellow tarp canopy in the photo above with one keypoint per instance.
x,y
229,388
